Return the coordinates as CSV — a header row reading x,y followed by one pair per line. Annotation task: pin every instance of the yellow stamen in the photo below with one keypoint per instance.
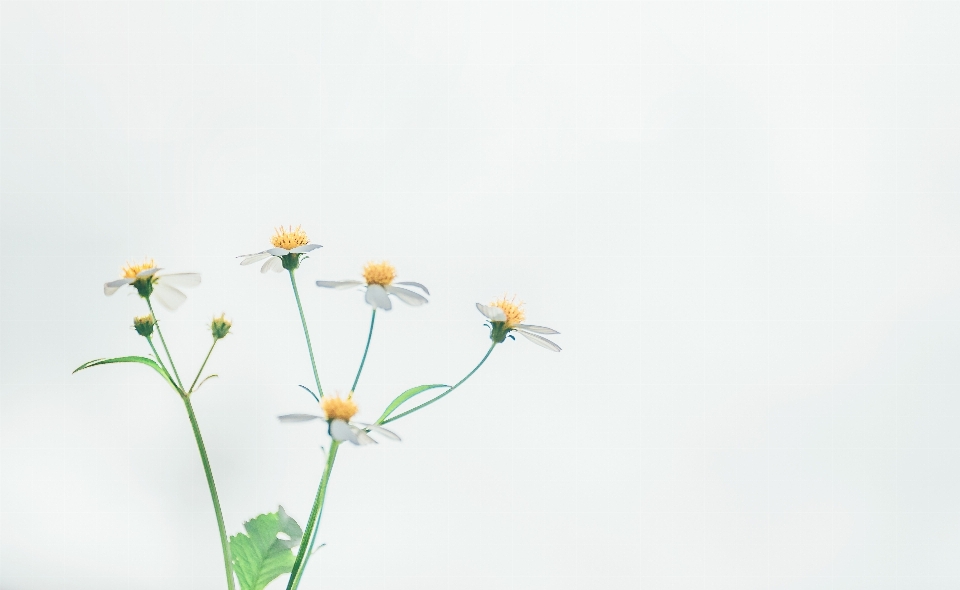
x,y
289,238
131,270
379,273
512,309
337,408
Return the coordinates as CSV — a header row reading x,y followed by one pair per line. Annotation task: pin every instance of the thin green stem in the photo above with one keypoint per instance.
x,y
164,343
459,383
227,561
209,352
366,349
306,333
313,521
159,358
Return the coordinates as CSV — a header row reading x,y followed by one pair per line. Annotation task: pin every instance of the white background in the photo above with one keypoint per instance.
x,y
743,218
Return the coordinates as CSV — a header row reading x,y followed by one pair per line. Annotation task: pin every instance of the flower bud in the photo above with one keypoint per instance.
x,y
144,325
220,327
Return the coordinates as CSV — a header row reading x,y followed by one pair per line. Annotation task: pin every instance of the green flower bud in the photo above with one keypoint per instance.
x,y
220,327
144,325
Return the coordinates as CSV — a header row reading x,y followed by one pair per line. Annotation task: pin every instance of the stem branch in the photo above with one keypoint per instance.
x,y
209,352
164,343
313,521
306,333
366,349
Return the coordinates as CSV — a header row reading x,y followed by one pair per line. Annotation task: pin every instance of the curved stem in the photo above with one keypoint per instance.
x,y
227,561
209,352
306,333
366,349
459,383
164,343
313,521
159,359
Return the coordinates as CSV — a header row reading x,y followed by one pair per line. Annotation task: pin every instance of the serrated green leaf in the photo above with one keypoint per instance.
x,y
404,397
260,556
130,359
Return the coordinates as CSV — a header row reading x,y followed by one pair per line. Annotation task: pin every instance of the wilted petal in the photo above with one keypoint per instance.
x,y
540,340
362,436
181,279
277,252
341,431
251,258
493,313
381,430
170,298
412,284
297,417
340,285
377,297
536,329
274,264
111,287
149,272
406,295
305,249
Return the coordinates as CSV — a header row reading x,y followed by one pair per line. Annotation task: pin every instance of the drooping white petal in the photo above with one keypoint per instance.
x,y
111,287
170,297
339,285
406,295
297,417
305,249
381,430
274,264
377,297
536,329
148,272
341,431
493,313
412,284
540,340
277,252
181,279
362,436
251,258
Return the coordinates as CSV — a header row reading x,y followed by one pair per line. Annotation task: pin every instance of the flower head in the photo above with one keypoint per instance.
x,y
338,412
144,278
289,245
378,281
220,327
507,316
144,325
338,408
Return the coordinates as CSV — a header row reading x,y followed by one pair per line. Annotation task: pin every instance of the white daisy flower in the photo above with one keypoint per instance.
x,y
338,413
507,316
144,278
288,246
378,281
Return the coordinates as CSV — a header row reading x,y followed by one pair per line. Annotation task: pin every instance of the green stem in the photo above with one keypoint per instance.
x,y
159,359
227,561
301,562
164,343
306,332
209,352
459,383
366,349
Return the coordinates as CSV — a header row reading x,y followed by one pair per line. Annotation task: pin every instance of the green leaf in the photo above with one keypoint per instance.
x,y
404,397
260,556
130,359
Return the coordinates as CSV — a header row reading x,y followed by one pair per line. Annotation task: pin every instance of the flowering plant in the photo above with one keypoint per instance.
x,y
274,544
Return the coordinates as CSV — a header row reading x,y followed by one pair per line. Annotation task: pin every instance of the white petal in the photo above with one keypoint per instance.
x,y
251,258
377,297
341,431
297,417
362,436
181,279
170,298
340,285
277,252
381,430
406,295
273,263
536,329
540,340
417,285
147,272
493,313
111,287
305,249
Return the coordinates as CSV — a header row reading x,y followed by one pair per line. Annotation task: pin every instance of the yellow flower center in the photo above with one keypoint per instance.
x,y
379,273
141,320
338,408
132,269
289,238
512,309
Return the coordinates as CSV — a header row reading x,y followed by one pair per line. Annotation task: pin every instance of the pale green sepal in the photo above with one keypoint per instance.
x,y
260,556
130,359
404,397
